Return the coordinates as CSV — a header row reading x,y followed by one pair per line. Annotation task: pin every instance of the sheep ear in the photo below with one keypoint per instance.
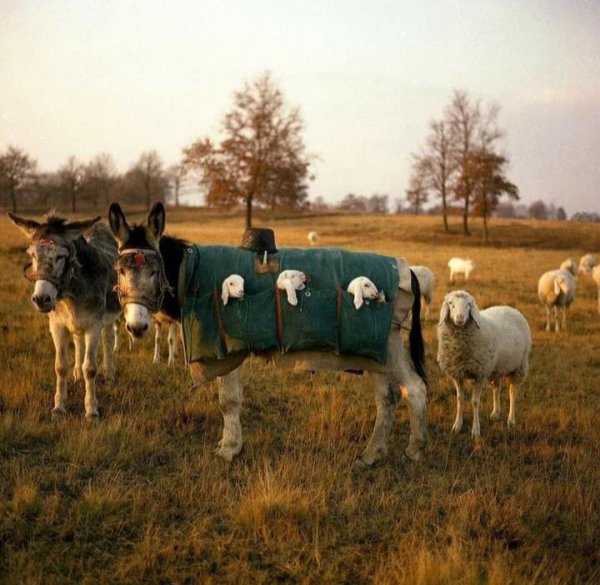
x,y
291,293
475,316
225,292
444,313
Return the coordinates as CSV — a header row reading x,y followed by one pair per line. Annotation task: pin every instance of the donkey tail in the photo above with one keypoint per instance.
x,y
415,338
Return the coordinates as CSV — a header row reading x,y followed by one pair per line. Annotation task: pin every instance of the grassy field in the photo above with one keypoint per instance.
x,y
139,497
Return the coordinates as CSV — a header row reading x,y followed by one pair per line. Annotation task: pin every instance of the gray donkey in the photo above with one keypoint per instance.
x,y
74,278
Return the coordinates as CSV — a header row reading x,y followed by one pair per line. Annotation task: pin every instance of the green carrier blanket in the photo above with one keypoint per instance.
x,y
325,317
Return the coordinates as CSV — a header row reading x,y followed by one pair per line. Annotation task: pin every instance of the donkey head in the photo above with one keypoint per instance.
x,y
52,256
140,268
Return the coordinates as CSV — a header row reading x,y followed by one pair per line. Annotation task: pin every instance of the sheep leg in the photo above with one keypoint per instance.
x,y
157,331
564,318
497,410
476,402
427,309
386,400
172,340
230,403
548,318
460,399
556,325
512,393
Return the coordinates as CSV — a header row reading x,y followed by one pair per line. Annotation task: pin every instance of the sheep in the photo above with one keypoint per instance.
x,y
596,279
462,266
569,265
586,264
556,288
363,289
232,287
312,238
483,346
426,283
291,281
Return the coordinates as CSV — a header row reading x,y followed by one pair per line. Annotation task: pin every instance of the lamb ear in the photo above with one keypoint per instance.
x,y
444,313
356,289
27,226
291,293
475,316
118,223
225,292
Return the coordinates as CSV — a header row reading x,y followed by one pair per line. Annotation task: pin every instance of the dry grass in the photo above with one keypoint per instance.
x,y
139,497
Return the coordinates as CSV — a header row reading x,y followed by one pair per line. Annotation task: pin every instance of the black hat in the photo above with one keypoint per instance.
x,y
259,240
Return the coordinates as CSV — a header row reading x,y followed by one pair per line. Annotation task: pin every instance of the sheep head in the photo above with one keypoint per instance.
x,y
233,287
291,281
458,306
363,289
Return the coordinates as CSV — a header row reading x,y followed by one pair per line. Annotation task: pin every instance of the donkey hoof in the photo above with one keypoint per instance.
x,y
413,453
496,415
359,466
58,413
227,453
92,417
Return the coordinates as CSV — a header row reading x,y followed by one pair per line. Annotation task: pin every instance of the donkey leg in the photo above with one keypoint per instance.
x,y
230,402
60,337
414,391
79,349
157,332
115,327
172,339
386,399
90,369
108,348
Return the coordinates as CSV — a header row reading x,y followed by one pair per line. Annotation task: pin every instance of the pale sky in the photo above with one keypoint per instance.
x,y
83,77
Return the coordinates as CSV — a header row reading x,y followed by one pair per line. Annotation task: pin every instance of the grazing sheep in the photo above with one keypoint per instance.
x,y
312,238
596,279
556,288
462,266
363,290
291,281
483,346
426,283
233,287
586,264
570,266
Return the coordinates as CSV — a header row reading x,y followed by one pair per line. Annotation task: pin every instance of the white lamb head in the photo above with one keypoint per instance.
x,y
363,289
291,281
312,238
233,287
458,306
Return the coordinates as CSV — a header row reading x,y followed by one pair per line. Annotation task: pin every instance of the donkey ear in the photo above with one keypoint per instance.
x,y
225,292
75,228
27,226
156,220
444,313
118,223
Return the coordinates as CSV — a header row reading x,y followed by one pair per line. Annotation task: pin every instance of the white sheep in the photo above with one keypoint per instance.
x,y
291,281
363,290
570,266
232,287
312,238
462,266
426,283
596,279
484,346
586,264
556,288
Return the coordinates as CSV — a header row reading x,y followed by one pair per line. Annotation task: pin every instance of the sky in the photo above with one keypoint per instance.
x,y
83,77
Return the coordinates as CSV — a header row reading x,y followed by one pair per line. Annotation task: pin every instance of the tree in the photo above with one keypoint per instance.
x,y
416,194
70,181
16,173
489,184
176,175
261,158
538,210
561,214
149,177
99,179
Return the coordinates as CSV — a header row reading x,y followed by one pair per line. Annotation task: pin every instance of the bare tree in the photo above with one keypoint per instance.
x,y
100,176
538,210
417,192
149,176
70,181
261,159
176,175
16,173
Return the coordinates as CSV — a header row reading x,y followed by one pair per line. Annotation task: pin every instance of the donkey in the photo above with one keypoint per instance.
x,y
74,278
149,281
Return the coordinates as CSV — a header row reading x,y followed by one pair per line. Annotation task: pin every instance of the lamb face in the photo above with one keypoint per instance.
x,y
233,287
458,306
363,289
291,281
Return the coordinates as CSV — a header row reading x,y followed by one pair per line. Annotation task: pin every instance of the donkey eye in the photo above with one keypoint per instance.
x,y
121,272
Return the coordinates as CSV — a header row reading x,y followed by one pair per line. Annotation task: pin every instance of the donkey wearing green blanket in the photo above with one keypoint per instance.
x,y
156,274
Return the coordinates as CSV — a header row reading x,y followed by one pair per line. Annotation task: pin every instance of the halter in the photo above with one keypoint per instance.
x,y
152,304
62,281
